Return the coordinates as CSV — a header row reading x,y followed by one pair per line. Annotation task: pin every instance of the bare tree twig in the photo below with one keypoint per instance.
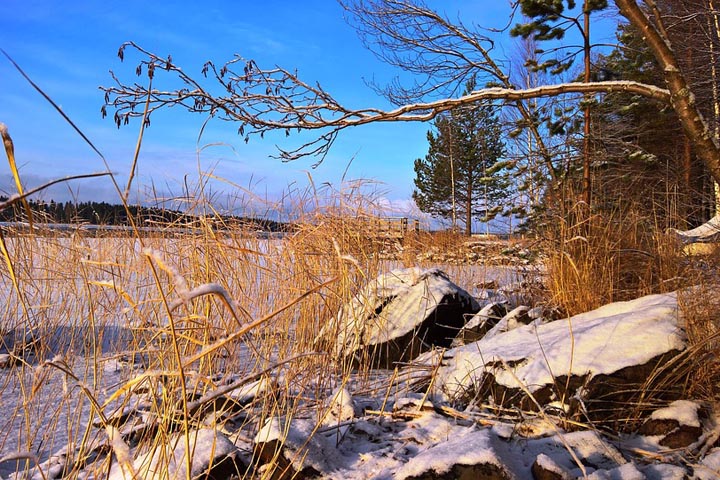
x,y
263,101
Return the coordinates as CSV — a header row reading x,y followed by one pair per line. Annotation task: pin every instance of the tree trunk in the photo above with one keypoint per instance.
x,y
468,210
681,97
587,186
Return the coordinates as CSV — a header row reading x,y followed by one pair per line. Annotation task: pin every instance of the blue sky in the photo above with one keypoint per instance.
x,y
69,47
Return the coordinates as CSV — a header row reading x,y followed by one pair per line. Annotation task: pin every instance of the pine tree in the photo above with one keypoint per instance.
x,y
463,175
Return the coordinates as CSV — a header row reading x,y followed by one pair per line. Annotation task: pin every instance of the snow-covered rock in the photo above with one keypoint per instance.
x,y
341,407
545,468
469,454
213,456
677,426
399,315
601,354
480,323
706,233
421,443
515,318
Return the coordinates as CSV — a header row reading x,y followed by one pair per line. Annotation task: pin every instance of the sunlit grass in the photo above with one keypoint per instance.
x,y
167,319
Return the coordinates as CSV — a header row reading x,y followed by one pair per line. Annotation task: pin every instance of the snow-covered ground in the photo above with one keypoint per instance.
x,y
385,428
40,406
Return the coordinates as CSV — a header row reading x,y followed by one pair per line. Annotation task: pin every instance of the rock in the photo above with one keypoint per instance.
x,y
601,358
482,471
249,392
271,457
341,407
287,449
398,316
222,405
341,410
658,427
464,456
480,323
681,436
544,313
588,448
213,457
678,424
545,468
515,318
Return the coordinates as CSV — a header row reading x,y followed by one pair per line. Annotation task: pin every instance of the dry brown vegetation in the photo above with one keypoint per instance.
x,y
199,310
619,255
193,310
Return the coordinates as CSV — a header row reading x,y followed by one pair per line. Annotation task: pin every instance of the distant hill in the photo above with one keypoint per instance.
x,y
103,213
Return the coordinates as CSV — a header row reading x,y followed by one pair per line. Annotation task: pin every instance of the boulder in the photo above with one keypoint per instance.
x,y
480,323
545,468
469,455
286,449
594,361
678,425
399,315
213,456
566,455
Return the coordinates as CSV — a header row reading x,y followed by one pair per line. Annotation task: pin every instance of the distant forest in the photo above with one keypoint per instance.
x,y
103,213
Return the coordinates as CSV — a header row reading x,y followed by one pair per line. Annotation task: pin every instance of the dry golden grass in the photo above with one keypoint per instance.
x,y
196,308
214,306
700,307
612,256
600,258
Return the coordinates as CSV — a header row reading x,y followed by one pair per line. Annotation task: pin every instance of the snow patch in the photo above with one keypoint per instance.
x,y
709,468
706,233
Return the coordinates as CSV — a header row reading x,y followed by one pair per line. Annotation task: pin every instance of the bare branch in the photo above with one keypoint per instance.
x,y
263,101
19,197
442,55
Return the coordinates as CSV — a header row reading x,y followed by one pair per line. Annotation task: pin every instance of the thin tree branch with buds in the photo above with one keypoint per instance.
x,y
263,101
